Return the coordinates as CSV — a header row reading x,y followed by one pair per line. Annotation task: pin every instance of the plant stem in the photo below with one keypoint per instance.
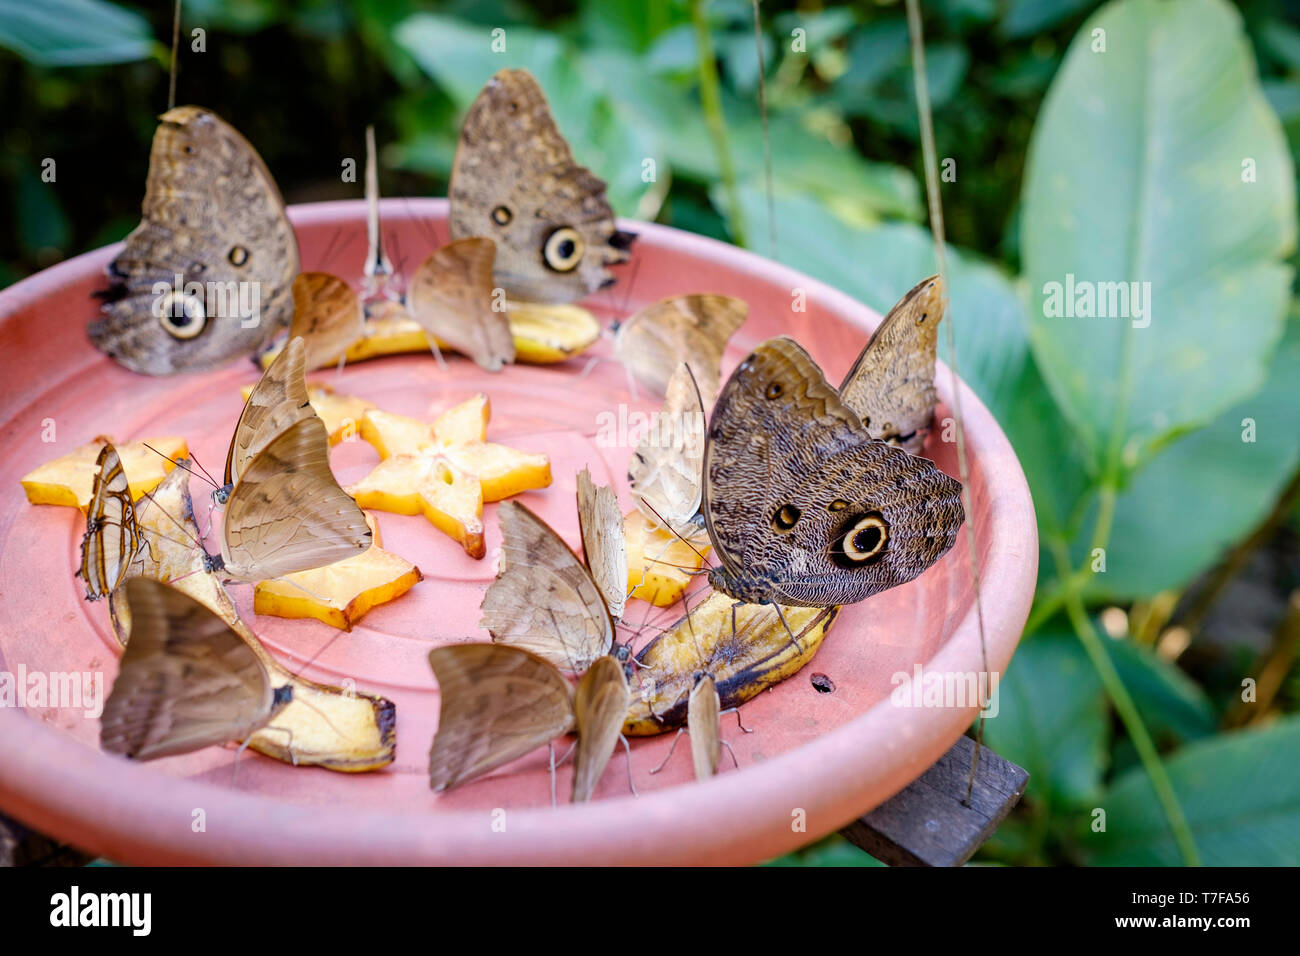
x,y
711,102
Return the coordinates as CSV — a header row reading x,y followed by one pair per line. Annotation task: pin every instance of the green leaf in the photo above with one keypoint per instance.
x,y
1172,705
73,32
1052,720
1135,175
1206,491
1240,793
1026,17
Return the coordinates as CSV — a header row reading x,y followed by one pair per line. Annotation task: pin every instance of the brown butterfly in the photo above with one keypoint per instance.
x,y
801,505
682,328
451,296
600,522
187,680
206,275
515,181
891,385
327,316
544,599
666,471
112,537
501,702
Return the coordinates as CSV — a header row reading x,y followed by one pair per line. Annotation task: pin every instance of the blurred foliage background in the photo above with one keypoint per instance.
x,y
1163,460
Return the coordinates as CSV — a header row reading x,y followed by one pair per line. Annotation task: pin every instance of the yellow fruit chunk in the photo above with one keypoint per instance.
x,y
431,485
70,480
341,414
339,594
543,334
344,730
760,654
445,470
658,562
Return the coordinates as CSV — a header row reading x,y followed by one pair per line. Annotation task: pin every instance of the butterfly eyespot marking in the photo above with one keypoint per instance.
x,y
774,391
863,541
839,504
921,320
563,250
181,315
501,215
786,517
238,255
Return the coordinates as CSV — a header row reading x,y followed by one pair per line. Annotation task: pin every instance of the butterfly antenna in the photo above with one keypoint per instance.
x,y
935,198
675,532
767,139
205,476
631,283
319,713
627,749
176,42
664,762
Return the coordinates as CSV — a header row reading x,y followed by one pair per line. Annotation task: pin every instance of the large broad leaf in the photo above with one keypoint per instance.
x,y
1159,162
1172,705
1240,794
460,57
1052,720
73,32
1206,491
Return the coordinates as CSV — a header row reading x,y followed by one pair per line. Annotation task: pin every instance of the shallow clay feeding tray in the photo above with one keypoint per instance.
x,y
832,756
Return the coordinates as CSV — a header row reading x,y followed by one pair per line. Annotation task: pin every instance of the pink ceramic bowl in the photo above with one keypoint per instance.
x,y
814,761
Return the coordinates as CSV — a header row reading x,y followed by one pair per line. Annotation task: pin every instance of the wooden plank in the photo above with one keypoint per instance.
x,y
22,846
928,823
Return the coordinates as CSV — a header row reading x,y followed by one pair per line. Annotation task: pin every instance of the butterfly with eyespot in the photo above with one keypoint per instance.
x,y
802,506
187,680
514,180
891,385
206,276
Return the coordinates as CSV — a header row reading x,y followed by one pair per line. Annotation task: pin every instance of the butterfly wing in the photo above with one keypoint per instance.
x,y
287,513
187,680
451,297
326,315
891,385
600,521
514,180
278,400
213,216
112,536
599,706
703,718
666,471
682,328
801,506
543,600
498,703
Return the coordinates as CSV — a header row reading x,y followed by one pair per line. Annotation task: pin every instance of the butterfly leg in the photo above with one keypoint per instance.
x,y
627,749
680,731
551,749
732,752
736,711
793,640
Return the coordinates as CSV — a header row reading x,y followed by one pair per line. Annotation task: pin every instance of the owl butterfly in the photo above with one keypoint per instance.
x,y
693,329
501,702
451,297
891,385
515,181
112,537
666,471
802,506
187,680
206,275
284,511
